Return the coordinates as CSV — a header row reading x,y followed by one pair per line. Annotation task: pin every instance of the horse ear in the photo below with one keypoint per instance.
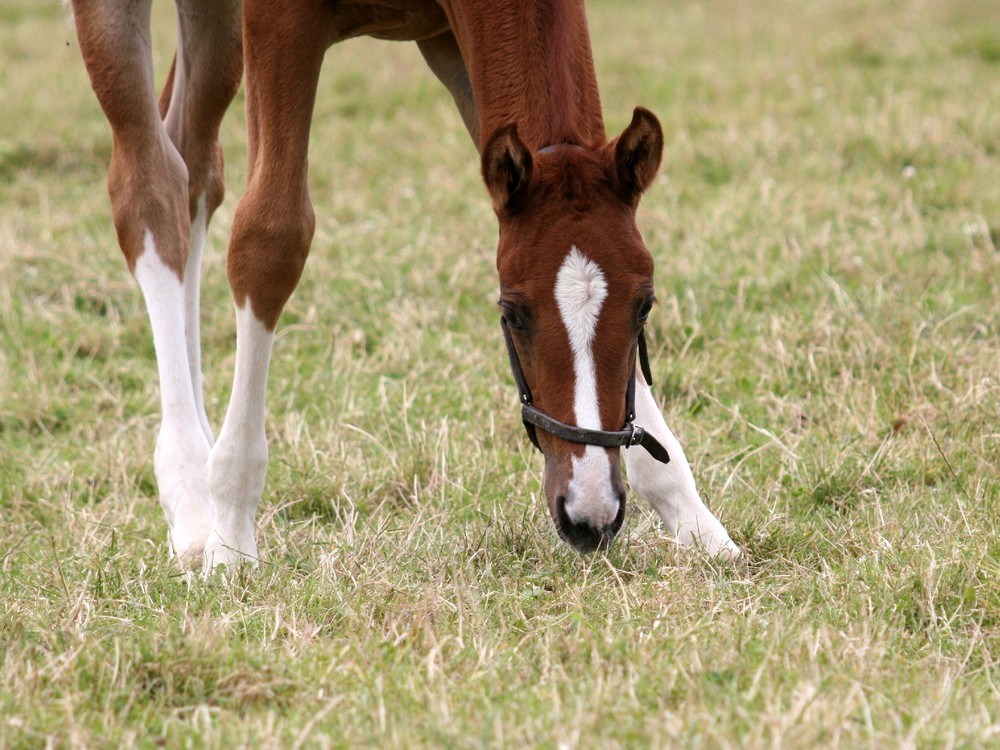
x,y
506,165
638,151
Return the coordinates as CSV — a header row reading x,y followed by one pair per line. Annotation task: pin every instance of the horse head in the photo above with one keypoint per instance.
x,y
576,287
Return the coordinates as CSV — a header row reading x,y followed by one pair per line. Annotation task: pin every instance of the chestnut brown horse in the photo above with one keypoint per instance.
x,y
576,281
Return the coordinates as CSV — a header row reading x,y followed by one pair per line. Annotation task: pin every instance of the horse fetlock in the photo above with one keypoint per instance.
x,y
231,544
232,539
709,536
236,473
184,495
670,490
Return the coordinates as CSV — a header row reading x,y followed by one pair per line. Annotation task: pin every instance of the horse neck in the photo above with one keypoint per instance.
x,y
530,64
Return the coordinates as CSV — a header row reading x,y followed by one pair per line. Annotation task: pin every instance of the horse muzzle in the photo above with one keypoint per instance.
x,y
586,498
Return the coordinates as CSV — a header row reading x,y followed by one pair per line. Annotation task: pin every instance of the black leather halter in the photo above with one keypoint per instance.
x,y
626,437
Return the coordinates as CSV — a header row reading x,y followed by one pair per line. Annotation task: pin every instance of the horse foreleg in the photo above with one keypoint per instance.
x,y
445,60
148,186
204,78
272,230
238,463
670,488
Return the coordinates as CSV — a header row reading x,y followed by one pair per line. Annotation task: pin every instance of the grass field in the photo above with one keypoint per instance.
x,y
826,230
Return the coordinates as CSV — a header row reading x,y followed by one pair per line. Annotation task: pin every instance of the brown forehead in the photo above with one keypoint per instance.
x,y
573,203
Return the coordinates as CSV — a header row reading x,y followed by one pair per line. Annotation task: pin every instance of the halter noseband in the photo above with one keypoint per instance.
x,y
626,437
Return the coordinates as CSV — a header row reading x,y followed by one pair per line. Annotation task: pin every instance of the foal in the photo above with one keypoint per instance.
x,y
576,281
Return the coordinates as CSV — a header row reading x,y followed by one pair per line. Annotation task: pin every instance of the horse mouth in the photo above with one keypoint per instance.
x,y
583,537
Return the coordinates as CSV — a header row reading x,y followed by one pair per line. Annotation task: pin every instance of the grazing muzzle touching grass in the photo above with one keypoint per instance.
x,y
581,534
587,509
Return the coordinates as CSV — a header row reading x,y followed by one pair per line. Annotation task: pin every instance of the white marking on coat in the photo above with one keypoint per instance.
x,y
580,293
238,463
581,289
192,309
182,447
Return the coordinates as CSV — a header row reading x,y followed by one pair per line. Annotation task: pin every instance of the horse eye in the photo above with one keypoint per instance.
x,y
513,318
644,310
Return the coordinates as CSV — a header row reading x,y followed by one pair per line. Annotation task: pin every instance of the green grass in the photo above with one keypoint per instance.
x,y
826,231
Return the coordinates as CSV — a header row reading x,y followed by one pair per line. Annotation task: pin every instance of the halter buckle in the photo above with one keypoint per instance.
x,y
636,437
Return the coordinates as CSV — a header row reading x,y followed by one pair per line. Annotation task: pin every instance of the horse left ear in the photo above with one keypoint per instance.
x,y
506,165
638,151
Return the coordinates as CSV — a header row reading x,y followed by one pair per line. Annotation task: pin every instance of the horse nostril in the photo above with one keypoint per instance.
x,y
581,535
619,517
562,518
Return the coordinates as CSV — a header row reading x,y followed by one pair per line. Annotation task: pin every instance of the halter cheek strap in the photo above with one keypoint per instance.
x,y
628,436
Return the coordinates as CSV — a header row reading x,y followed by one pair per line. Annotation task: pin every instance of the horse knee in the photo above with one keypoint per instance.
x,y
149,196
268,250
215,189
206,182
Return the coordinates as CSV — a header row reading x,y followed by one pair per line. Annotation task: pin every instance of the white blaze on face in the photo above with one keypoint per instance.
x,y
581,289
580,292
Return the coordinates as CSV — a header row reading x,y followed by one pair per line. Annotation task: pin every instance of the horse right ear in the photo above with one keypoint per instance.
x,y
506,165
637,154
